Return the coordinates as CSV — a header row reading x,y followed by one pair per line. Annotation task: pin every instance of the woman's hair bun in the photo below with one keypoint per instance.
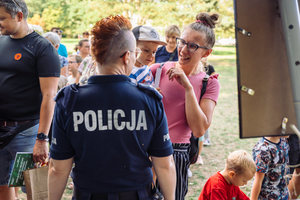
x,y
209,20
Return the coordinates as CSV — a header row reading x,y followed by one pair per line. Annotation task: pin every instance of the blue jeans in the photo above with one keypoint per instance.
x,y
23,142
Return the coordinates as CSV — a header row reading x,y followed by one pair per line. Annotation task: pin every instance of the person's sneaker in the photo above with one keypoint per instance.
x,y
190,174
199,160
207,142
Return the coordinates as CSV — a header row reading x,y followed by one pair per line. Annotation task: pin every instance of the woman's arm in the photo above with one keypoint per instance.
x,y
199,117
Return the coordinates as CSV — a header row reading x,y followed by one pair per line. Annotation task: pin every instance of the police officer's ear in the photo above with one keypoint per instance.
x,y
126,58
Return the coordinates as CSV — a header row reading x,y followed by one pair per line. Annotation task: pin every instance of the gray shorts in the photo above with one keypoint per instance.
x,y
23,142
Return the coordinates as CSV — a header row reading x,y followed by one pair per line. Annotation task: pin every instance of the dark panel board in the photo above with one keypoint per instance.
x,y
263,67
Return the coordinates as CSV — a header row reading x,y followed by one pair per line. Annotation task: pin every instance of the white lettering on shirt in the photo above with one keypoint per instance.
x,y
131,126
102,127
109,119
90,125
166,137
118,113
116,120
78,119
54,140
141,121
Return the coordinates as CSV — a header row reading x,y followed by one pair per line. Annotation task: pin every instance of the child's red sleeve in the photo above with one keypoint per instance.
x,y
242,196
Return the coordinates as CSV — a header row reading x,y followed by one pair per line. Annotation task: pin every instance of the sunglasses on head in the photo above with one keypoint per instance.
x,y
17,4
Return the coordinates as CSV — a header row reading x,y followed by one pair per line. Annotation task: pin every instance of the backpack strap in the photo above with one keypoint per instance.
x,y
173,55
158,75
204,85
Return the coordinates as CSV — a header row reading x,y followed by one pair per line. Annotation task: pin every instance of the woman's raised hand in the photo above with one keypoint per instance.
x,y
178,74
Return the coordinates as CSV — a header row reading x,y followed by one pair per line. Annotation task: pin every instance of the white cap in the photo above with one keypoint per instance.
x,y
148,34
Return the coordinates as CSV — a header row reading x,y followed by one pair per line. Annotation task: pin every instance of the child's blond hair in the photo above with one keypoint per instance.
x,y
240,161
172,30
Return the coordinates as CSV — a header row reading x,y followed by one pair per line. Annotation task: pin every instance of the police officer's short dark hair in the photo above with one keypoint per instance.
x,y
15,6
110,33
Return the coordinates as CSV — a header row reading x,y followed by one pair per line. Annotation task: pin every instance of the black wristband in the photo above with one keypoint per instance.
x,y
42,137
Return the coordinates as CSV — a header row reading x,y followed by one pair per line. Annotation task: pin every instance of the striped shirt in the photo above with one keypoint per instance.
x,y
141,75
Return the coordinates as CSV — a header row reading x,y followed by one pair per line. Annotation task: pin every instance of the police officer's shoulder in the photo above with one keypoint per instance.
x,y
66,97
149,90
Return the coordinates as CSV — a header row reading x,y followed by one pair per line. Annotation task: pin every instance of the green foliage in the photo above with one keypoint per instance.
x,y
77,16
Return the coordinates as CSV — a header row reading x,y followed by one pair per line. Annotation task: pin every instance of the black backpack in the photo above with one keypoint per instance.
x,y
194,142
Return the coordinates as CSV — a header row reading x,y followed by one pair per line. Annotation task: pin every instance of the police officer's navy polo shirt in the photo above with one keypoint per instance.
x,y
111,127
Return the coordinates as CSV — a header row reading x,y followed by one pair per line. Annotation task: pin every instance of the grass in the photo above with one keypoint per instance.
x,y
224,131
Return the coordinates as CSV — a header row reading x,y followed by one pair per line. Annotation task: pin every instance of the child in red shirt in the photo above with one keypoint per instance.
x,y
224,185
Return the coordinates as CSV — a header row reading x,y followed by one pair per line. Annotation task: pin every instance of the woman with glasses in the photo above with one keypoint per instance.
x,y
110,126
180,85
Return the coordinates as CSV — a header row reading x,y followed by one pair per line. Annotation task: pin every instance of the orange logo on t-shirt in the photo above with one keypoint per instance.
x,y
18,56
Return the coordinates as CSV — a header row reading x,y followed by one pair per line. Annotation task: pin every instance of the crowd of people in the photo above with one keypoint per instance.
x,y
120,111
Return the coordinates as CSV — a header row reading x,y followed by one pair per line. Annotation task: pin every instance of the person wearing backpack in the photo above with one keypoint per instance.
x,y
204,140
180,84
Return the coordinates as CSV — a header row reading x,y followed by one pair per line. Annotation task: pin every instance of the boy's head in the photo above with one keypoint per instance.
x,y
74,62
171,33
147,40
240,167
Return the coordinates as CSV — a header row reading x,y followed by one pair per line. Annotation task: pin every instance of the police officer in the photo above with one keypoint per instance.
x,y
110,127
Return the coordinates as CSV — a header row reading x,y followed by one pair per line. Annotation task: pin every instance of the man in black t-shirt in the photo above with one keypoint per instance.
x,y
29,71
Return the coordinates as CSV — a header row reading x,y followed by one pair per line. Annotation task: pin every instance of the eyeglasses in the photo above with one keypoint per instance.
x,y
137,53
16,3
192,47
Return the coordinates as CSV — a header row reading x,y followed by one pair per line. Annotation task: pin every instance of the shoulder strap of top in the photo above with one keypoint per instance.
x,y
158,75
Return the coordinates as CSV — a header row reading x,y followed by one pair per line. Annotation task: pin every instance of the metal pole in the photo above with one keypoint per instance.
x,y
289,12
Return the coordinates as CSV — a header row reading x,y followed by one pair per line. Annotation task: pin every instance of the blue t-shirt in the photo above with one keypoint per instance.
x,y
111,127
62,50
162,55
